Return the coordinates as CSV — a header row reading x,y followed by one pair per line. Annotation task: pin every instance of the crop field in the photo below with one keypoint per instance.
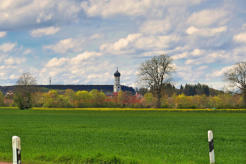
x,y
136,137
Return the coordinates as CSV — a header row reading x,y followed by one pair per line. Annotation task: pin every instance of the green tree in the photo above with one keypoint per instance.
x,y
50,98
54,99
1,99
98,98
70,97
149,99
184,101
23,91
83,99
156,72
215,102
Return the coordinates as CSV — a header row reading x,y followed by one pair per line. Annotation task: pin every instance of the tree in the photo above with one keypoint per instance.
x,y
124,98
98,98
142,91
70,96
237,77
1,99
156,72
149,100
25,87
83,99
54,99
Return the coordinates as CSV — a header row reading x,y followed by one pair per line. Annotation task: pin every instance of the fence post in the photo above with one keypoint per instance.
x,y
211,147
16,145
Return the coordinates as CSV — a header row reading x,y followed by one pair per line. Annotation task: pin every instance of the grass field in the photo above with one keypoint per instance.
x,y
148,137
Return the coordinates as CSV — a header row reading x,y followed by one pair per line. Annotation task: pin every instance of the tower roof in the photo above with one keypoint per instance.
x,y
117,74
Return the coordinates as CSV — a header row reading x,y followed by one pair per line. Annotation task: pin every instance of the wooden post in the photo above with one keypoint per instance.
x,y
16,145
211,147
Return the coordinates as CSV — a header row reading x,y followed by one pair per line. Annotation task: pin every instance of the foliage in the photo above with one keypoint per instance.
x,y
149,100
237,77
83,99
156,72
98,98
95,98
23,91
53,99
1,99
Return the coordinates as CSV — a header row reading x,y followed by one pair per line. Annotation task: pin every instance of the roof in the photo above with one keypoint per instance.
x,y
104,88
117,74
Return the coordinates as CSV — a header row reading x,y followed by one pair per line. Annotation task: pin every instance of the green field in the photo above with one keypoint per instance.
x,y
151,137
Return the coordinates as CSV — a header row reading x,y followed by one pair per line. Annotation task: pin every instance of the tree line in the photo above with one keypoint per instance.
x,y
157,71
94,98
155,75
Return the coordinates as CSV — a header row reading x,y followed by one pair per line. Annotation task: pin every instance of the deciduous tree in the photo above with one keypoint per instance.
x,y
25,87
156,72
237,77
1,99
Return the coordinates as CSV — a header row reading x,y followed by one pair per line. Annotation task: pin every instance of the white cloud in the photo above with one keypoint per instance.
x,y
55,62
203,67
222,71
138,41
241,37
13,61
96,36
155,26
66,45
11,67
205,32
180,56
130,7
244,26
153,53
3,34
58,62
188,54
187,73
197,52
208,17
209,58
29,13
85,67
27,51
45,31
7,47
112,7
190,61
83,56
120,44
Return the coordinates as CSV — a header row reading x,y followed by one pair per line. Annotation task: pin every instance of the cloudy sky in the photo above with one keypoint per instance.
x,y
83,41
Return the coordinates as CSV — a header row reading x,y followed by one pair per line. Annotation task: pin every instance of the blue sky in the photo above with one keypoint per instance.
x,y
83,41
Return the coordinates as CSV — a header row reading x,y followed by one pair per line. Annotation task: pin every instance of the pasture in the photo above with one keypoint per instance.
x,y
136,137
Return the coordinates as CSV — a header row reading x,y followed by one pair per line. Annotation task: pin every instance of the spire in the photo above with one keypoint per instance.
x,y
50,80
117,74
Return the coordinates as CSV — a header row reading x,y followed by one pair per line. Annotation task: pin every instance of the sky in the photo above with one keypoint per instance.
x,y
84,41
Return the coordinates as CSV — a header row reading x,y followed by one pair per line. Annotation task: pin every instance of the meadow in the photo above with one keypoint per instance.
x,y
123,136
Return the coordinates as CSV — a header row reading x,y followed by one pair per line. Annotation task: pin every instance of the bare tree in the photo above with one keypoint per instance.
x,y
237,77
156,72
25,87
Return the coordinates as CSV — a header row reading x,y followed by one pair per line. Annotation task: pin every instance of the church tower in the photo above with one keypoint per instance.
x,y
117,87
